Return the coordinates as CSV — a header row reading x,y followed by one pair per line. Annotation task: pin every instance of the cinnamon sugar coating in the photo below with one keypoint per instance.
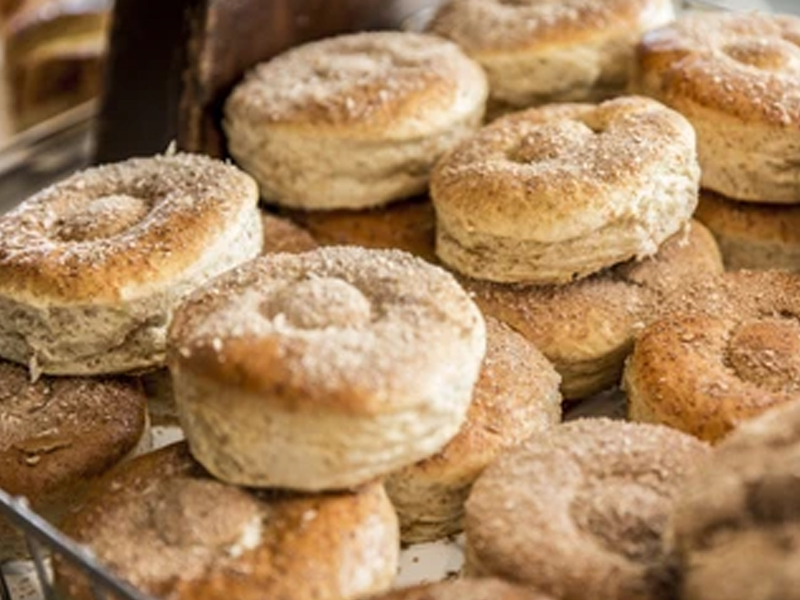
x,y
164,525
542,51
362,85
114,232
325,323
353,121
736,77
59,431
586,328
92,267
464,589
727,350
580,510
516,396
752,235
59,434
330,367
736,527
553,194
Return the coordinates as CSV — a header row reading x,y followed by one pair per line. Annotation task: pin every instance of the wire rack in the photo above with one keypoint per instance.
x,y
41,539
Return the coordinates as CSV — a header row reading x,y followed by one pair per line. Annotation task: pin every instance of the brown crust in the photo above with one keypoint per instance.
x,y
59,432
740,64
108,232
344,328
464,589
728,351
485,27
377,84
588,326
408,225
579,511
166,526
281,235
752,235
562,171
516,396
737,525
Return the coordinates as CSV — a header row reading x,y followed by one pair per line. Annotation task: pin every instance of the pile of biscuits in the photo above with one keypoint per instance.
x,y
381,356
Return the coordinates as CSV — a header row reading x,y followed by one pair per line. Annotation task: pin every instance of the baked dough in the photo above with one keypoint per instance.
x,y
282,235
736,77
580,510
353,121
752,235
586,328
92,267
162,524
736,526
465,589
58,434
324,369
542,51
408,225
553,194
729,350
516,396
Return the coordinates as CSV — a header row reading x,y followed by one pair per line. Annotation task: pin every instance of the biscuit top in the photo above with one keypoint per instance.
x,y
392,85
741,326
465,589
343,328
738,519
485,27
58,431
112,232
564,170
581,508
746,65
163,524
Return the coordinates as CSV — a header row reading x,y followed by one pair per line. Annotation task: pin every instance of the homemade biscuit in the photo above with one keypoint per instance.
x,y
353,121
324,369
92,267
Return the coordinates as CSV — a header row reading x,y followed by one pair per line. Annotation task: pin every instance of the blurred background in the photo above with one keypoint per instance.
x,y
52,54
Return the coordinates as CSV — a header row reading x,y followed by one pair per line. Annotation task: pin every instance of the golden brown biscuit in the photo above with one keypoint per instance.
x,y
586,328
515,397
580,510
736,526
164,525
729,350
407,225
736,77
58,434
92,267
556,193
464,589
541,51
353,121
752,235
282,235
324,369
